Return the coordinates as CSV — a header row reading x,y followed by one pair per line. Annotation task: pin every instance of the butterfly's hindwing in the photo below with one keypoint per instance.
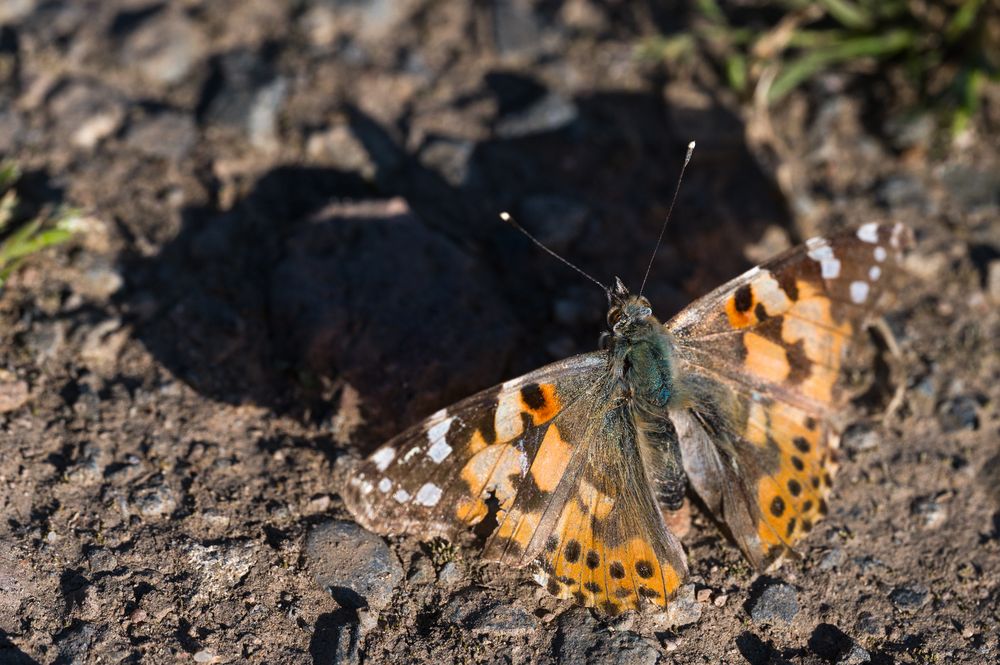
x,y
765,356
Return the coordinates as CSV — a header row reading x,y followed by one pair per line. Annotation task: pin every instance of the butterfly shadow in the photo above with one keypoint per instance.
x,y
10,654
365,303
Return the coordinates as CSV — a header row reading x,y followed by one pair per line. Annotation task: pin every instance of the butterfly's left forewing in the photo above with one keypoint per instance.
x,y
561,460
433,479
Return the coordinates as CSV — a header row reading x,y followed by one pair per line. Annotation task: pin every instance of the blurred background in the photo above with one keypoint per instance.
x,y
241,238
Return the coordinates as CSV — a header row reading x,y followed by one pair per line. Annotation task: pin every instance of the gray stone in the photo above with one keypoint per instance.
x,y
833,558
583,640
249,98
167,135
856,655
972,188
774,601
959,413
450,158
355,566
86,113
549,113
859,438
909,597
75,643
450,574
164,49
478,611
154,501
929,511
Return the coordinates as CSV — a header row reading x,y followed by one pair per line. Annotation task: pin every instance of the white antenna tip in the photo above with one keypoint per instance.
x,y
505,216
691,145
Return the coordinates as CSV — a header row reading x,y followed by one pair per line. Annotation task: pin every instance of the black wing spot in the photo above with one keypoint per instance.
x,y
827,480
760,312
611,609
646,592
807,526
810,423
617,570
622,592
551,544
572,551
801,444
807,506
797,463
823,509
579,597
592,587
791,528
815,482
532,396
553,587
778,506
794,487
644,569
743,298
593,559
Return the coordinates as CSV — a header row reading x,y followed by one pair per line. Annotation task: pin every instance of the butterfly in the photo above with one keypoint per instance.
x,y
573,465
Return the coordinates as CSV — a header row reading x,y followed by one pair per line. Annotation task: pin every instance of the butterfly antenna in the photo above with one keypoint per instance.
x,y
506,216
663,228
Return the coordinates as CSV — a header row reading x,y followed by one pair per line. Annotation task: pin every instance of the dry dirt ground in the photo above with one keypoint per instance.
x,y
291,252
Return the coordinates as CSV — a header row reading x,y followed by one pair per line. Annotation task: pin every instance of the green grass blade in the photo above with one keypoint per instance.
x,y
848,14
813,62
962,19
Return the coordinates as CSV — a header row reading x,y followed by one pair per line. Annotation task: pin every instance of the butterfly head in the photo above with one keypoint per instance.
x,y
627,313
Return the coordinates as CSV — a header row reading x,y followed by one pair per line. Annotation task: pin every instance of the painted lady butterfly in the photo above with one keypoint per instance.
x,y
733,397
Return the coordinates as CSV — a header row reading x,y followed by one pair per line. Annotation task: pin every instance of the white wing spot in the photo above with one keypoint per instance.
x,y
437,432
410,453
880,254
820,251
868,232
859,291
401,496
384,485
383,458
439,451
428,495
874,273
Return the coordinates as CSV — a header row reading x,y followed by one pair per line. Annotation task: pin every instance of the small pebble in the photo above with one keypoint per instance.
x,y
775,601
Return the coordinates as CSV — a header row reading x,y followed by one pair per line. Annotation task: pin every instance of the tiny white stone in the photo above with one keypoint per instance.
x,y
428,495
384,485
859,291
897,230
868,232
439,451
401,496
880,254
874,273
383,458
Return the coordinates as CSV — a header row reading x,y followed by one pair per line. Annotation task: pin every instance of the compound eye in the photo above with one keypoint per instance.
x,y
614,316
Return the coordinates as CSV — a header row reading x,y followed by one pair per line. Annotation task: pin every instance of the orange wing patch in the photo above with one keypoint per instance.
x,y
793,497
579,563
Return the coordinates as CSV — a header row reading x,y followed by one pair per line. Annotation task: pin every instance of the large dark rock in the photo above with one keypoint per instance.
x,y
368,295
